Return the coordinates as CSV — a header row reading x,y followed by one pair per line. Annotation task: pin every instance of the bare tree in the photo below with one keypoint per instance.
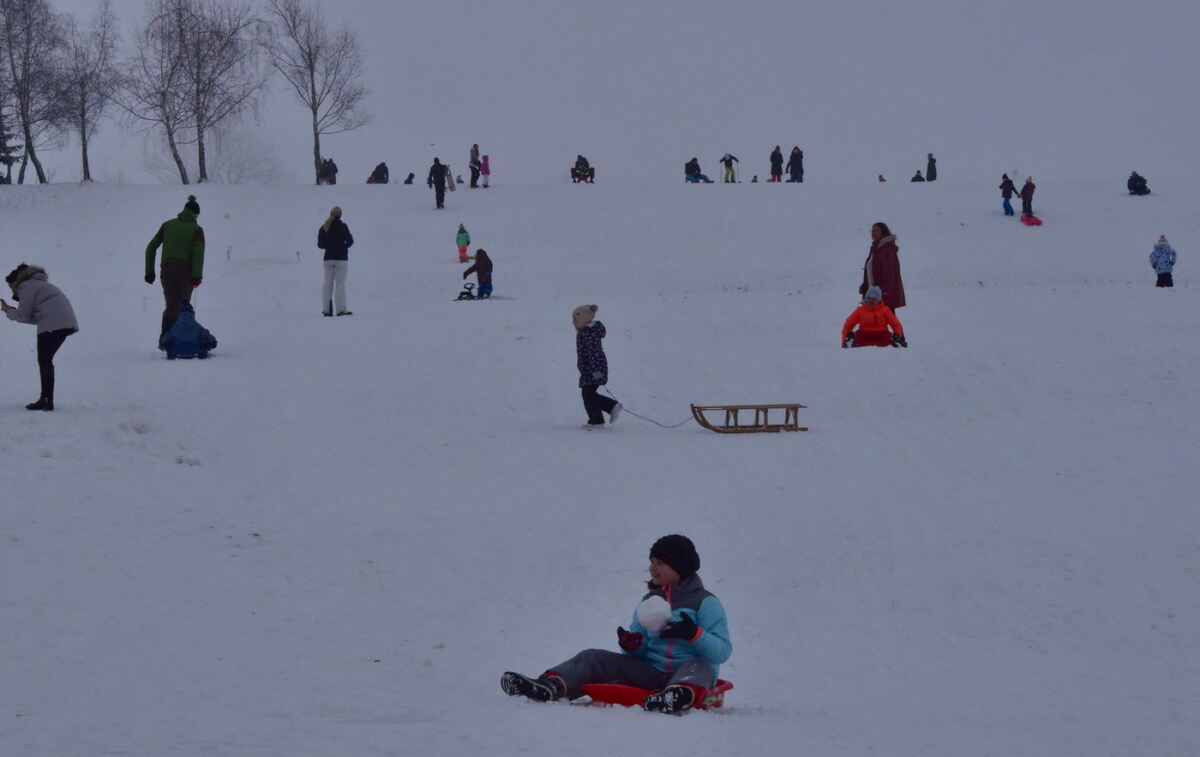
x,y
155,89
90,75
324,70
32,37
221,61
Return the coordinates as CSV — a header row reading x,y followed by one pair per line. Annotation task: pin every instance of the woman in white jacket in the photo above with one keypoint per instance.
x,y
44,305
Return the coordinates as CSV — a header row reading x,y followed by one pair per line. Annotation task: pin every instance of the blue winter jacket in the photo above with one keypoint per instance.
x,y
186,338
1163,258
688,597
590,357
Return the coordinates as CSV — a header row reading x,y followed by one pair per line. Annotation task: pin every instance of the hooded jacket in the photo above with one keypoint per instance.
x,y
1007,189
872,319
590,357
882,269
463,238
688,597
1163,258
41,303
181,238
186,337
483,267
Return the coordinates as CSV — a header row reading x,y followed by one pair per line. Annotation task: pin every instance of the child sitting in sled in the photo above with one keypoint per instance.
x,y
873,319
674,646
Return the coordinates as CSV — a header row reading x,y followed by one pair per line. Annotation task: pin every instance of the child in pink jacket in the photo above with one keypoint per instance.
x,y
485,170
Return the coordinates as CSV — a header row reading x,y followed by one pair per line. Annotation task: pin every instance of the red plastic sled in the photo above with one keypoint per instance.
x,y
632,696
1031,220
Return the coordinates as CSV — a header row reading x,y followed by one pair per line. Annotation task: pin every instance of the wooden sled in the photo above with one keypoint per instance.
x,y
733,422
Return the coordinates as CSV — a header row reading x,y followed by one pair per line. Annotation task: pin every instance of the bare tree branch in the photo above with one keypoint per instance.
x,y
90,75
32,37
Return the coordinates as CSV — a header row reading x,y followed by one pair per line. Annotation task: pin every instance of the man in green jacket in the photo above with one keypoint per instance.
x,y
182,270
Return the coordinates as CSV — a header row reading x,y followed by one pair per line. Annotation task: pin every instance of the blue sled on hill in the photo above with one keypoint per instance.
x,y
186,338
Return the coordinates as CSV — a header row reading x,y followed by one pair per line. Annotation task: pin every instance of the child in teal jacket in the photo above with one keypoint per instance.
x,y
675,651
463,240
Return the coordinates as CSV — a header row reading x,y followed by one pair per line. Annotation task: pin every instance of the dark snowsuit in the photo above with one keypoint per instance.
x,y
776,164
795,166
437,180
1007,190
186,338
593,371
380,174
1137,185
1027,198
931,169
917,177
474,165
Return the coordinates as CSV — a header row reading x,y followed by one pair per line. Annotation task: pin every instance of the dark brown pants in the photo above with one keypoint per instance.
x,y
176,277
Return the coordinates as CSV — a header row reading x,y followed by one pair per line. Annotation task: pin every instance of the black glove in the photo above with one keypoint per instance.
x,y
899,341
848,341
684,628
465,274
150,278
628,640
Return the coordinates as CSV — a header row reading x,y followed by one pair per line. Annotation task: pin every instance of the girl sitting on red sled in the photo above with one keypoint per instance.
x,y
674,646
873,319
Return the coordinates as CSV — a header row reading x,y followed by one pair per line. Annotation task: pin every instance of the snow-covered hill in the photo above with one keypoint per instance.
x,y
336,534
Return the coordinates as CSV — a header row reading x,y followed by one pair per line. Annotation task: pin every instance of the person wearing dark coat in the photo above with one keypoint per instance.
x,y
409,178
776,164
437,181
380,174
1137,184
692,174
1027,196
795,166
593,365
335,239
583,171
1007,190
329,171
931,168
483,272
882,268
474,164
44,305
728,160
917,177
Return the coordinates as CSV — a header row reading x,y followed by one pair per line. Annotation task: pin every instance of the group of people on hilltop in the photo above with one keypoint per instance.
x,y
930,171
1008,189
327,172
480,168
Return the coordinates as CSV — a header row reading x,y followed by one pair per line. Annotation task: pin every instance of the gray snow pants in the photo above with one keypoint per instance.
x,y
603,666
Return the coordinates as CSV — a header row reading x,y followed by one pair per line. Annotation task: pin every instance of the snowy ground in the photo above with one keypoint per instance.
x,y
336,534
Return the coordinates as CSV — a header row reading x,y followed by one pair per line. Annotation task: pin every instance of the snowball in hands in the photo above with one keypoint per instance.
x,y
654,613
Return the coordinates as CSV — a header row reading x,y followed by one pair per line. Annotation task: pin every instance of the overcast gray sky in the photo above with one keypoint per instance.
x,y
1070,88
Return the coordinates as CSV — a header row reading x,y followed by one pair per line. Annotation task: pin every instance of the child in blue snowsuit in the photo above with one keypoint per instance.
x,y
1163,260
186,338
679,661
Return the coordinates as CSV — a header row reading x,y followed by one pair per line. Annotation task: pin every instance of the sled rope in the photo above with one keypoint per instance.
x,y
625,409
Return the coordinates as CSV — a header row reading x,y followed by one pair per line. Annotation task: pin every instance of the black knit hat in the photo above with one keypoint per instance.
x,y
12,275
192,205
678,552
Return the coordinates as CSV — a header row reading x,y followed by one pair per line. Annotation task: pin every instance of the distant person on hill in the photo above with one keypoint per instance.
x,y
676,642
593,365
692,174
881,179
873,320
917,177
1027,196
882,268
754,180
776,164
485,168
795,166
409,179
727,160
474,164
483,272
437,182
1007,190
182,268
931,168
583,172
380,174
463,240
335,239
44,305
1162,258
329,171
1137,184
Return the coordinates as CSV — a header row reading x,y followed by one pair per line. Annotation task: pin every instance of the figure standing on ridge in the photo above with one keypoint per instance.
x,y
475,166
182,268
437,182
728,160
1137,184
1027,196
44,305
335,239
930,168
776,165
882,268
676,642
1162,258
379,175
1007,190
328,172
795,166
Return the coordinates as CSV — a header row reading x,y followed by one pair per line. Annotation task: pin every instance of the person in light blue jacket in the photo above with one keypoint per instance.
x,y
1162,258
678,661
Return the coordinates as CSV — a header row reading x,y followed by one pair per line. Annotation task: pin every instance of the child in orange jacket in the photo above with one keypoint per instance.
x,y
873,319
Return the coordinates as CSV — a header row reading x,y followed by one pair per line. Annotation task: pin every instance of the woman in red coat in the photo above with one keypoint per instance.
x,y
882,268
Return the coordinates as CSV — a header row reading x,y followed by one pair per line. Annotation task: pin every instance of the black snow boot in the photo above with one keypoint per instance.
x,y
537,689
673,700
43,403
